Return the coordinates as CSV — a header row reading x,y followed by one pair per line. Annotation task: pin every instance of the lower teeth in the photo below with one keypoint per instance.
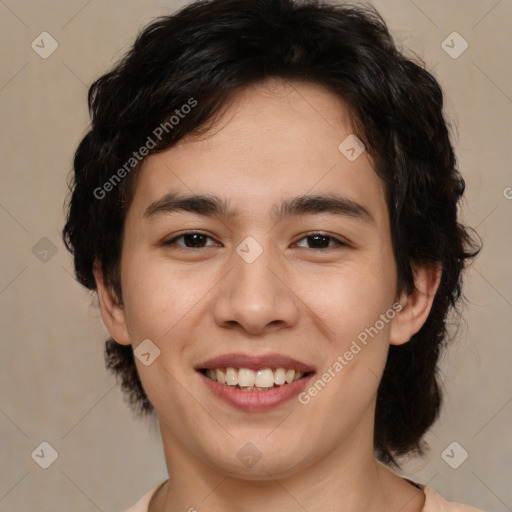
x,y
251,388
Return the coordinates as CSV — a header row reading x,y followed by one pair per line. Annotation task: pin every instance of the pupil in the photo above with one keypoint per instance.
x,y
317,237
195,237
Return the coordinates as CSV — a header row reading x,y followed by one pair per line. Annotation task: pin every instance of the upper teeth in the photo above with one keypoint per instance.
x,y
245,378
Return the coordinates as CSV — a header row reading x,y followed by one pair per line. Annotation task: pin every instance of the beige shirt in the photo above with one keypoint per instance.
x,y
434,502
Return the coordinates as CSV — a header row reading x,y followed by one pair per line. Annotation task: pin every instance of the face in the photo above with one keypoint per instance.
x,y
259,280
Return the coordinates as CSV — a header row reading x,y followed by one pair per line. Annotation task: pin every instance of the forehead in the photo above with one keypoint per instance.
x,y
273,140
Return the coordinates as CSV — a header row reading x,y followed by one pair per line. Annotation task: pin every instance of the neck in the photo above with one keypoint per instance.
x,y
347,479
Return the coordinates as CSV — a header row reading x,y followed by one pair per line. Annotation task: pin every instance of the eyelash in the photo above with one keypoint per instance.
x,y
314,234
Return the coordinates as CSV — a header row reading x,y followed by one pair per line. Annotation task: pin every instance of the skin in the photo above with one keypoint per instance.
x,y
275,140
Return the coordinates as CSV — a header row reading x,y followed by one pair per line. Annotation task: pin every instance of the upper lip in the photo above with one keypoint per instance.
x,y
253,362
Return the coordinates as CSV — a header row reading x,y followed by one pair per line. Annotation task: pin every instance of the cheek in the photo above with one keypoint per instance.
x,y
348,300
355,349
158,295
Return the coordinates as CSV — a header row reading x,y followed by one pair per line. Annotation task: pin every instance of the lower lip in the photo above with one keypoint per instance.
x,y
256,400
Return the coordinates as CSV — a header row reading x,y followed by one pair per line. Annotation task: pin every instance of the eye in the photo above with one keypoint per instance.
x,y
197,240
192,240
321,241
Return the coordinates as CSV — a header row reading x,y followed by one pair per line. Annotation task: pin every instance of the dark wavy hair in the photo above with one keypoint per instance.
x,y
211,49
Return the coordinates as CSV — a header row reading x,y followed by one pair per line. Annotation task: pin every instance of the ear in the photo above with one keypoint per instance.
x,y
416,305
112,312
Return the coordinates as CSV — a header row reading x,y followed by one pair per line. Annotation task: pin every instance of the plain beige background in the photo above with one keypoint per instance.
x,y
53,385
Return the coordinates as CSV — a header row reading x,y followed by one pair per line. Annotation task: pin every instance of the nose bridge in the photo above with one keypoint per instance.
x,y
253,261
255,293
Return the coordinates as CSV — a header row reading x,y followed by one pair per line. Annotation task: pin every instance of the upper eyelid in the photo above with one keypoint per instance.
x,y
177,237
339,241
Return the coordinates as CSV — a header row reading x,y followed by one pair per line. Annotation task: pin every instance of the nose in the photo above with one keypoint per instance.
x,y
256,297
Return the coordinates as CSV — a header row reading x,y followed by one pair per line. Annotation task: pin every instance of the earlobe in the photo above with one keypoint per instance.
x,y
416,305
112,313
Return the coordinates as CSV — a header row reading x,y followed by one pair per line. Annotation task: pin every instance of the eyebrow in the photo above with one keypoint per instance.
x,y
214,206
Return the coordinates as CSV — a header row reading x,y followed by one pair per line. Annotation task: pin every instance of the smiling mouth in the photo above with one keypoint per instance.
x,y
250,380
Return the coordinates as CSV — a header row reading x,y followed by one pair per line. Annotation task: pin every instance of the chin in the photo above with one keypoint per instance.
x,y
256,462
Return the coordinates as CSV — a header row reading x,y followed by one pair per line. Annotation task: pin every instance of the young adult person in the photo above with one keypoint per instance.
x,y
266,206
